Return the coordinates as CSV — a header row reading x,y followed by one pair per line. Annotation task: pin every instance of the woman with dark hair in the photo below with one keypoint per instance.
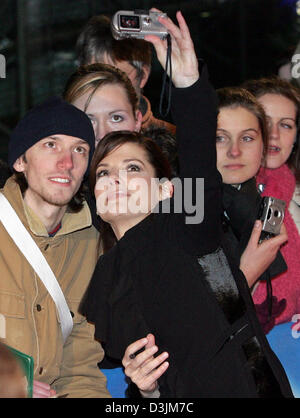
x,y
114,140
279,177
168,273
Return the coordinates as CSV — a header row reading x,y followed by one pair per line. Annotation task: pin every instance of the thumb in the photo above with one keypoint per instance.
x,y
255,234
159,46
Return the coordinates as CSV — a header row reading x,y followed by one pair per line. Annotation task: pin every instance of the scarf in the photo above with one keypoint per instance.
x,y
280,183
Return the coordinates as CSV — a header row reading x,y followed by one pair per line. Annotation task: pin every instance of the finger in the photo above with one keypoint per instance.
x,y
149,382
41,385
255,234
277,241
132,349
140,360
153,9
41,390
159,371
173,29
283,229
179,33
154,363
183,25
136,346
151,341
159,46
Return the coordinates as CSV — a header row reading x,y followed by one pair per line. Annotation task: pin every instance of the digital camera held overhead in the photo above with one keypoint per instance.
x,y
137,24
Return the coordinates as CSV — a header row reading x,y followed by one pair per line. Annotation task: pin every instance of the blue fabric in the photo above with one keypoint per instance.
x,y
116,382
286,345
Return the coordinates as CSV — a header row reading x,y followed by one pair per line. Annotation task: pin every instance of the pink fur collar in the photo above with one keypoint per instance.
x,y
280,183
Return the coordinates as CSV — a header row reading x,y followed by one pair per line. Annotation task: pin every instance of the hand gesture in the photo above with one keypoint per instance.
x,y
42,390
144,369
184,61
256,257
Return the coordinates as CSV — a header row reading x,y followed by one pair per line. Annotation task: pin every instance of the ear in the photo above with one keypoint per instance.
x,y
139,120
166,190
145,76
19,164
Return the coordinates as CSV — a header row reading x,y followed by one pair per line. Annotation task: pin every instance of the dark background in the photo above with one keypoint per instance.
x,y
239,39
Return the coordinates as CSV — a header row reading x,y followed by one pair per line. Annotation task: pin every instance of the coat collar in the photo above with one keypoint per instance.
x,y
70,222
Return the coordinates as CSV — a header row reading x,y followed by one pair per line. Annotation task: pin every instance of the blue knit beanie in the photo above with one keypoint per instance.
x,y
53,117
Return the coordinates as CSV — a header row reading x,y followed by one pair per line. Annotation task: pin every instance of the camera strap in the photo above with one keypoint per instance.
x,y
36,259
166,89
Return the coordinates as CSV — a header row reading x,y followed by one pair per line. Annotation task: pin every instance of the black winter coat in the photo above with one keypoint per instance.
x,y
171,278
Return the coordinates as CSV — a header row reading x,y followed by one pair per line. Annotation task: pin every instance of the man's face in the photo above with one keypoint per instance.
x,y
54,168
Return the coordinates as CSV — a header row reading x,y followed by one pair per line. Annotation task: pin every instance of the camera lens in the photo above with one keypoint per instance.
x,y
147,20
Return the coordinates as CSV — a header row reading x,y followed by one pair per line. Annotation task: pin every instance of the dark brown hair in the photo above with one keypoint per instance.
x,y
276,85
96,42
235,97
112,141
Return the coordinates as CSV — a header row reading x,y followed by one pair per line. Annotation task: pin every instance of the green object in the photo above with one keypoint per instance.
x,y
26,362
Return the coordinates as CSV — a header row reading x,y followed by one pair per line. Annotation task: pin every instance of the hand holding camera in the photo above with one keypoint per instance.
x,y
137,24
184,61
271,215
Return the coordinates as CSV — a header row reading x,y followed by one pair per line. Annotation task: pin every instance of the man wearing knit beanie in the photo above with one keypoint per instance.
x,y
49,152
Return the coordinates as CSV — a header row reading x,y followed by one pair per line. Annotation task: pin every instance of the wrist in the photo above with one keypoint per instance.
x,y
150,394
183,82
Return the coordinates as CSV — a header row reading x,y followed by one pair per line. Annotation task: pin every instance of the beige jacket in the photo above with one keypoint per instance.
x,y
29,319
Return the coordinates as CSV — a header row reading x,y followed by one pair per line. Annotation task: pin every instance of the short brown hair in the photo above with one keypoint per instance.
x,y
112,141
95,42
234,97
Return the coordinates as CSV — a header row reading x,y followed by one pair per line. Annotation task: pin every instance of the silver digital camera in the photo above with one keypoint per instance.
x,y
137,24
271,215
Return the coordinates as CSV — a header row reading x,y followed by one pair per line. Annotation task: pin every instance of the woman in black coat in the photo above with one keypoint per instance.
x,y
168,273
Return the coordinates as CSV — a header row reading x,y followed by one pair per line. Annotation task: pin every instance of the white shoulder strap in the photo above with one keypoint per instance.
x,y
34,256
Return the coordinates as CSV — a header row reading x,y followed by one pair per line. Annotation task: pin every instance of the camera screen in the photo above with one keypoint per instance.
x,y
128,22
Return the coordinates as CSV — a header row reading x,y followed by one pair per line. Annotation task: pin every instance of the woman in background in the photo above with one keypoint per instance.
x,y
279,177
242,143
107,96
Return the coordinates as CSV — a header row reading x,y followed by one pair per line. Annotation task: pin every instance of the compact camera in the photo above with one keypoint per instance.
x,y
137,24
271,215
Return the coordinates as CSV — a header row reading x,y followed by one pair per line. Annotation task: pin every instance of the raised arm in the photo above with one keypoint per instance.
x,y
194,105
194,108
